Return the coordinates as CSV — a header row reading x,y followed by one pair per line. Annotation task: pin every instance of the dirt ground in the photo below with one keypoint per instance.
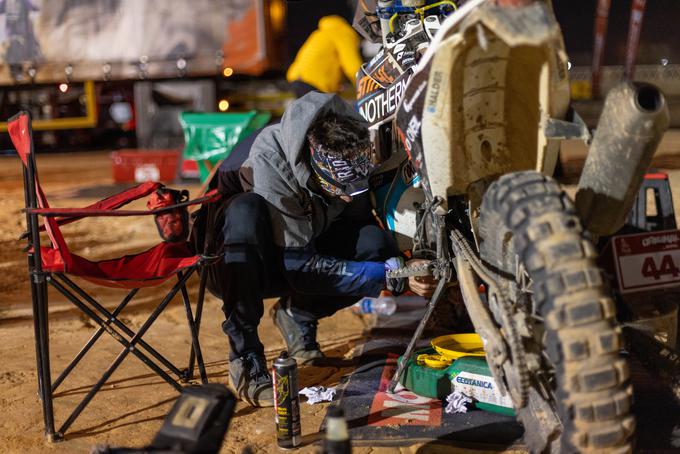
x,y
130,408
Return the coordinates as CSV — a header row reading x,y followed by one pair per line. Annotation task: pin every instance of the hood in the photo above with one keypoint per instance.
x,y
334,24
297,119
339,28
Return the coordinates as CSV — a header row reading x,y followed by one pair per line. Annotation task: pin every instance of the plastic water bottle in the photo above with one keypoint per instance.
x,y
384,304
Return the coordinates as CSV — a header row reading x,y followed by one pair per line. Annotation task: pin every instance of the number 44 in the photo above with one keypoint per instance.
x,y
649,268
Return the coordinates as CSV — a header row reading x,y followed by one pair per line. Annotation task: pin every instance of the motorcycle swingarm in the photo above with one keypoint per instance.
x,y
482,320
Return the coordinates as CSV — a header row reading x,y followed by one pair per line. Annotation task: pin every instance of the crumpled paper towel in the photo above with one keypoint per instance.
x,y
457,402
316,394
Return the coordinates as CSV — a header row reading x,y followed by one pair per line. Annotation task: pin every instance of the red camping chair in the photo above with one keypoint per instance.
x,y
50,265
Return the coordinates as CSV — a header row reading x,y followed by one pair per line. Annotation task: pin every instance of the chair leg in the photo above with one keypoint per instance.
x,y
36,329
39,285
196,346
93,340
152,351
116,335
199,314
94,390
119,359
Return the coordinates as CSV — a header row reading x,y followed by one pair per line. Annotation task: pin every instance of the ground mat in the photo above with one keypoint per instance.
x,y
377,418
380,419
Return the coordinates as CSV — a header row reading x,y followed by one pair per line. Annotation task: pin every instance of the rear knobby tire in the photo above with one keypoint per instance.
x,y
527,219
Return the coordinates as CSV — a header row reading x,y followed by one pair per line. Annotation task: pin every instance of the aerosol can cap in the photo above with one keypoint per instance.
x,y
284,360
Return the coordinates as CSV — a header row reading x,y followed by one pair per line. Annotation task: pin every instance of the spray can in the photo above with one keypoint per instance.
x,y
286,402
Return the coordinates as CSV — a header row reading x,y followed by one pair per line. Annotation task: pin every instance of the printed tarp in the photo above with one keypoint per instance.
x,y
136,34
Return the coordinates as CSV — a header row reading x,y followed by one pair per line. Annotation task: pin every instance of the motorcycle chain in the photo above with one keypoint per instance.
x,y
519,385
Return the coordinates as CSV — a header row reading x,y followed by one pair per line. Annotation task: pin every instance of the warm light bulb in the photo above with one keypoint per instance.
x,y
63,88
227,72
277,13
223,105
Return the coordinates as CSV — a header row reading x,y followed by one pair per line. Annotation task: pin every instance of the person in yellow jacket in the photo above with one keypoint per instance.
x,y
330,52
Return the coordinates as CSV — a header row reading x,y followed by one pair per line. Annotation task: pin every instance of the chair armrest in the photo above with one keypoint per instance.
x,y
210,197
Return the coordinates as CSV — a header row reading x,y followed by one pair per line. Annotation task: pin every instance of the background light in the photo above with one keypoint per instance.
x,y
63,88
277,14
223,105
227,72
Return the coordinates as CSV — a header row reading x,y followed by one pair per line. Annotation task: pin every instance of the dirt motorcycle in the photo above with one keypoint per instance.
x,y
467,105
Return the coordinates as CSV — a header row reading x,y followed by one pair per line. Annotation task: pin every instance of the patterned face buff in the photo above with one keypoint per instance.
x,y
339,176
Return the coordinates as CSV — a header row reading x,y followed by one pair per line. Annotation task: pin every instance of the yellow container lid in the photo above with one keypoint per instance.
x,y
454,346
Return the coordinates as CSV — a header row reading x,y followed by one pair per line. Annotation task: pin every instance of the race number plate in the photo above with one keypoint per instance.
x,y
647,261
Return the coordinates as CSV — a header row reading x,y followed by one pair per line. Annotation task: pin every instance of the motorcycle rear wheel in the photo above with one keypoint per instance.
x,y
528,227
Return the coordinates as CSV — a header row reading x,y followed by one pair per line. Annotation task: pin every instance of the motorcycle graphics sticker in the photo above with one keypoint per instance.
x,y
409,121
366,22
380,105
408,173
383,69
408,103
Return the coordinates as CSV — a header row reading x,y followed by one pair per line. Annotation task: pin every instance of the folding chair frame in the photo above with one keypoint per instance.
x,y
107,321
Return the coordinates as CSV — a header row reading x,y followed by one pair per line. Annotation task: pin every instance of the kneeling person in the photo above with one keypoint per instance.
x,y
298,225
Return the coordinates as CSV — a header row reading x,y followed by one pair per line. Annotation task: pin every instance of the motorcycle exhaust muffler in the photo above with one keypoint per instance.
x,y
632,123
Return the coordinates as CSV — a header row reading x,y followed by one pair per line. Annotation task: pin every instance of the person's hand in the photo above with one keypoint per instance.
x,y
396,285
421,285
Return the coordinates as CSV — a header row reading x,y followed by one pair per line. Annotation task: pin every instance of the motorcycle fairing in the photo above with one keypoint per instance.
x,y
480,115
396,192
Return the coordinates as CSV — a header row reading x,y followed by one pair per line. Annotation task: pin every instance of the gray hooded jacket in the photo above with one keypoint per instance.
x,y
278,169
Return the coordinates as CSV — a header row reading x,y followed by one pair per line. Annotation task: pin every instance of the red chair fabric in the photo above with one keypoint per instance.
x,y
146,269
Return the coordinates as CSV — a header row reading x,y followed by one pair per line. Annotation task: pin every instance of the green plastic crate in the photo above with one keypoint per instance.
x,y
472,372
209,137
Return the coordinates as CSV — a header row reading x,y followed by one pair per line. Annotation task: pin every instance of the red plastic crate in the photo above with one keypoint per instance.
x,y
189,169
138,165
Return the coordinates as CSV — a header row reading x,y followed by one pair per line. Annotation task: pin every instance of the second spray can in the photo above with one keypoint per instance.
x,y
286,402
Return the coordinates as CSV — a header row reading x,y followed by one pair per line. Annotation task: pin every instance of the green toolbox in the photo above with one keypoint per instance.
x,y
469,375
